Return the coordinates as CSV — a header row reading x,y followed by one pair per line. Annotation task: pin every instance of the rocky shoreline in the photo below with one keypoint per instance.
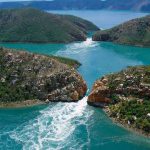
x,y
21,104
124,124
33,79
125,96
28,79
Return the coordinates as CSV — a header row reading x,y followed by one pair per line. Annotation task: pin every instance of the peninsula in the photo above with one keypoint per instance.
x,y
30,25
28,79
134,32
126,97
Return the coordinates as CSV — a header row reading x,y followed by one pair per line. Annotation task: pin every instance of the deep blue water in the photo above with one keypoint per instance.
x,y
75,126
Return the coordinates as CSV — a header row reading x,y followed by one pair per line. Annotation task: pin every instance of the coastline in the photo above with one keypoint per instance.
x,y
21,104
125,125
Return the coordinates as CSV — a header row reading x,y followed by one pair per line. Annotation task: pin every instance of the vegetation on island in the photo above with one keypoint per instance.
x,y
126,97
69,61
33,25
81,23
132,105
26,76
133,112
134,32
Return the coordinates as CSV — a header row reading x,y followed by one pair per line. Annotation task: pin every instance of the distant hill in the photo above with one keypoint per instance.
x,y
137,5
134,32
32,25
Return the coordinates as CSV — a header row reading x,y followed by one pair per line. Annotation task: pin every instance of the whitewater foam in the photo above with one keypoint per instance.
x,y
75,48
53,127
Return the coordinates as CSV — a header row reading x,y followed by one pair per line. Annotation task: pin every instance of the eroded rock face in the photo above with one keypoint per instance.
x,y
125,97
27,76
101,36
131,82
70,87
100,93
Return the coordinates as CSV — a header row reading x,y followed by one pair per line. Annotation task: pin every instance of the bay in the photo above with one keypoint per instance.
x,y
76,125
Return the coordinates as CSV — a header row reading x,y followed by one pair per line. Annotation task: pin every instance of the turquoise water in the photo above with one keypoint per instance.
x,y
74,125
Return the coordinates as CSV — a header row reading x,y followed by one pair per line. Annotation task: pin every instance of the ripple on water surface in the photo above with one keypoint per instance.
x,y
55,127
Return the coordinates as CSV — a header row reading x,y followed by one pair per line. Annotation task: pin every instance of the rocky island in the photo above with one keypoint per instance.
x,y
126,97
134,32
36,26
27,79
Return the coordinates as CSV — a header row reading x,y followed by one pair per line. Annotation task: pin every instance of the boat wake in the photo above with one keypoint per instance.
x,y
54,127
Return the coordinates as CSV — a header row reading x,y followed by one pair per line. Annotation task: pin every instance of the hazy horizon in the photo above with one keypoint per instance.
x,y
21,0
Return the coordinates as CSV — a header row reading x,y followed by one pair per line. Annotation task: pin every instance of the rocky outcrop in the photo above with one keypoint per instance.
x,y
125,96
134,32
26,76
100,93
133,81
